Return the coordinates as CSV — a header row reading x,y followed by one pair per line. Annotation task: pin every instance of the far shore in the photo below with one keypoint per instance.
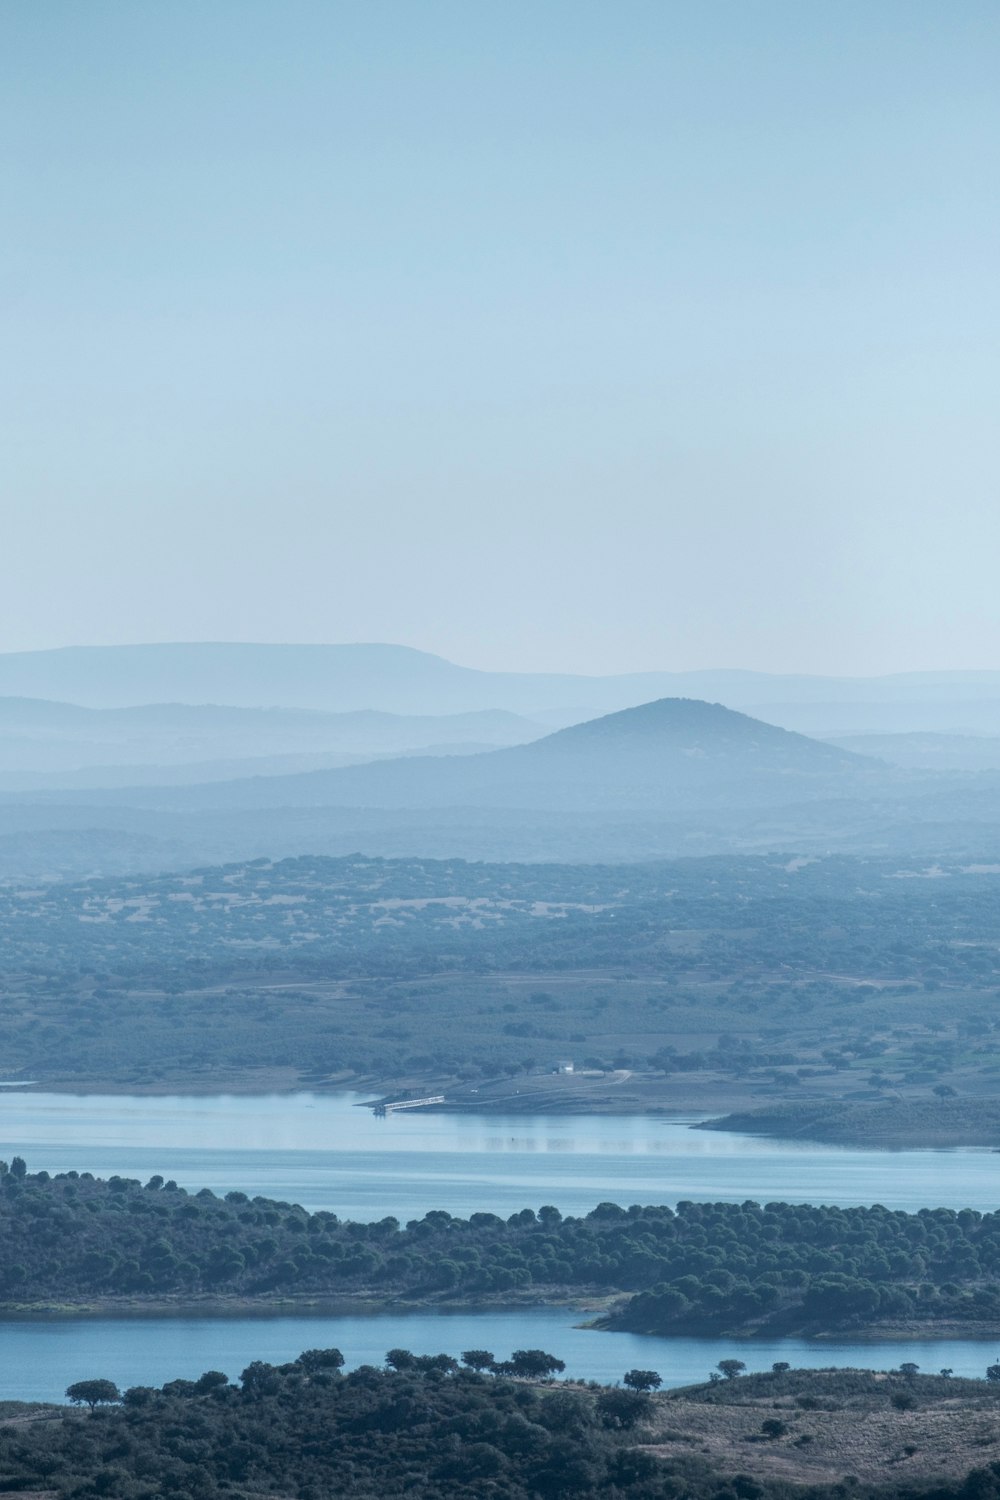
x,y
359,1304
917,1121
597,1311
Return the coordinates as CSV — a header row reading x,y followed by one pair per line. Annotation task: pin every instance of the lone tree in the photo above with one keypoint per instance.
x,y
993,1372
478,1359
731,1368
535,1364
315,1360
622,1409
259,1379
93,1393
642,1380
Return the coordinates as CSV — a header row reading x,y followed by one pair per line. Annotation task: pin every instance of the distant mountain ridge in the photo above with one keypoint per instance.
x,y
50,743
928,752
401,679
668,755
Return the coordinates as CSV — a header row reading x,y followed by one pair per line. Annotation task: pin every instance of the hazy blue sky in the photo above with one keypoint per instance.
x,y
541,334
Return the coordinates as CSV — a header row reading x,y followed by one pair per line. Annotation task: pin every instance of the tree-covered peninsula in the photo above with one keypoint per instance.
x,y
695,1267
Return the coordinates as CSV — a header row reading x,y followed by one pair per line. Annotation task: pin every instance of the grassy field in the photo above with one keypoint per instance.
x,y
879,1429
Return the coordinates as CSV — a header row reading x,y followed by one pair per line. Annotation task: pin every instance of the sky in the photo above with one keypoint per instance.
x,y
542,334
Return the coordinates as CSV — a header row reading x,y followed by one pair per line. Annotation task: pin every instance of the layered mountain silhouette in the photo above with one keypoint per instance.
x,y
674,777
665,756
65,745
399,679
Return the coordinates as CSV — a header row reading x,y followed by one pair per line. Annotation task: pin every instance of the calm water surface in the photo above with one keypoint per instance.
x,y
40,1358
324,1152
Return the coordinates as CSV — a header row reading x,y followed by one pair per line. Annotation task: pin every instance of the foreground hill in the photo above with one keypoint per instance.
x,y
423,1426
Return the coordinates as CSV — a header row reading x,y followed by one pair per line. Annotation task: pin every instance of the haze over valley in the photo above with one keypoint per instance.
x,y
88,790
500,751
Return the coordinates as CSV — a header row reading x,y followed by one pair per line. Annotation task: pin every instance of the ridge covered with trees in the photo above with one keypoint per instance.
x,y
698,1267
304,1429
426,1426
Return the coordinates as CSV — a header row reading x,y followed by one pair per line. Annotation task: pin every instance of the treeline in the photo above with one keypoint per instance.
x,y
304,1429
427,1428
712,1267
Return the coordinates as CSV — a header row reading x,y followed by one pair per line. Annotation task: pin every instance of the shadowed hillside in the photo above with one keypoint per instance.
x,y
667,756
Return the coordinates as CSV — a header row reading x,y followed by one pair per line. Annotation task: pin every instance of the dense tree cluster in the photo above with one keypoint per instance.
x,y
698,1267
805,1267
424,1427
419,1426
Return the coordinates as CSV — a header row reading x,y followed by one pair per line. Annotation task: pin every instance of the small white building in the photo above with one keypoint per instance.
x,y
563,1067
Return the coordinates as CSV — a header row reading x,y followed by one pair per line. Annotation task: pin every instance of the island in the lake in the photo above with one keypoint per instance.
x,y
76,1241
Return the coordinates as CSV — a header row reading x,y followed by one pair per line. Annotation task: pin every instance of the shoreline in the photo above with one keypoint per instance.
x,y
595,1311
358,1305
883,1125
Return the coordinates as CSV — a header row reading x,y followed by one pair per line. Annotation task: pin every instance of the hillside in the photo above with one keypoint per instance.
x,y
421,1425
671,755
720,984
670,778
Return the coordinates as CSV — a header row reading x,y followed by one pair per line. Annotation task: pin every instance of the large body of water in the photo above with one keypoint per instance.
x,y
42,1357
323,1151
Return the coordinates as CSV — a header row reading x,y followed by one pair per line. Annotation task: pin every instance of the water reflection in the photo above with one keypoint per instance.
x,y
323,1151
42,1358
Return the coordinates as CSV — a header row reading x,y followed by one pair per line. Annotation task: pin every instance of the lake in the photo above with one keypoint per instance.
x,y
323,1151
41,1357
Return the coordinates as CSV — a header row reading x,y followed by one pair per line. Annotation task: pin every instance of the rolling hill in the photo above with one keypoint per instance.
x,y
671,755
672,777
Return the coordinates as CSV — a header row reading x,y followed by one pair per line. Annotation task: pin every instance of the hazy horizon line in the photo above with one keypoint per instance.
x,y
732,671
